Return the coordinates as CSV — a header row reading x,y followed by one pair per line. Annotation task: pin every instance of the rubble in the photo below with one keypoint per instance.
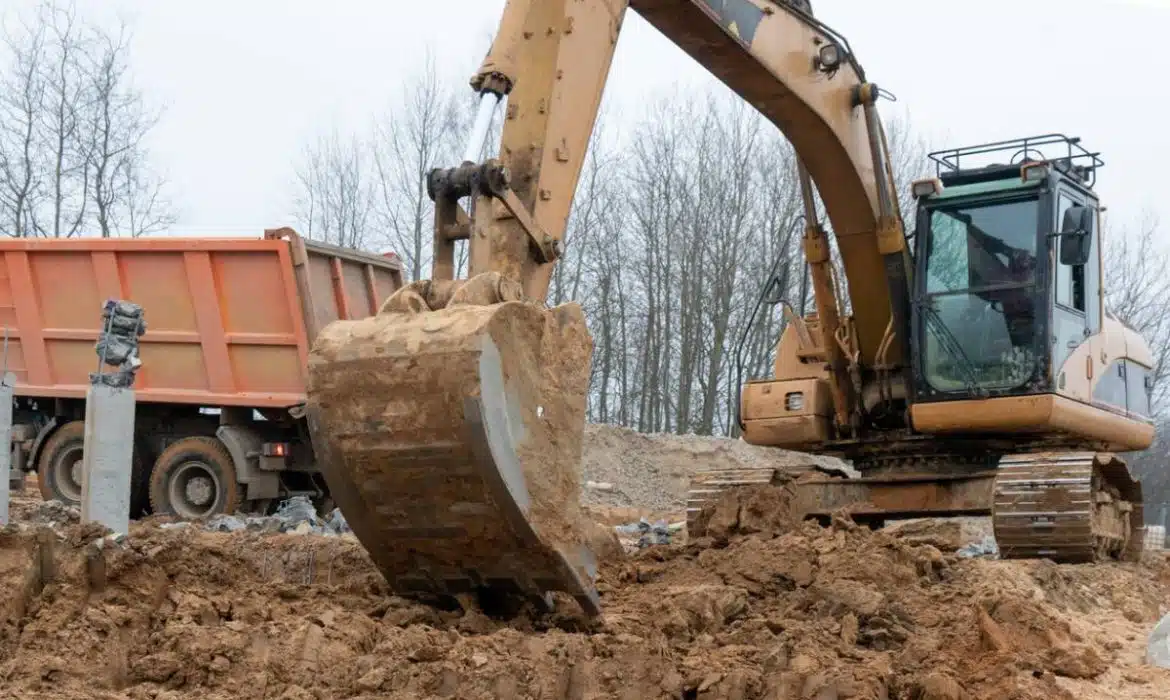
x,y
984,548
643,533
28,512
763,607
296,515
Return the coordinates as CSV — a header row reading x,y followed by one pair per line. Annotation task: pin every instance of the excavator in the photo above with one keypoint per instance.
x,y
967,365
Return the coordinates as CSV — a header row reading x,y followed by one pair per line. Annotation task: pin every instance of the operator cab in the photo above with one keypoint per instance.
x,y
1008,269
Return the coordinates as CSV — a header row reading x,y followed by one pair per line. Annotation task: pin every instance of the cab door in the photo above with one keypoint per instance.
x,y
1076,312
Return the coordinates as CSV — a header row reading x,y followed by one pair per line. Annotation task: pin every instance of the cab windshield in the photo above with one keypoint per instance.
x,y
979,304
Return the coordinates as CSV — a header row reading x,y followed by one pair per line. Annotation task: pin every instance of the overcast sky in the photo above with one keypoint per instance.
x,y
246,83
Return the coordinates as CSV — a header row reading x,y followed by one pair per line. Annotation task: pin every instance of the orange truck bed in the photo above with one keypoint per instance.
x,y
229,320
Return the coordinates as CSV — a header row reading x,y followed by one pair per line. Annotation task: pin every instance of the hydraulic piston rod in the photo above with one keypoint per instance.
x,y
483,121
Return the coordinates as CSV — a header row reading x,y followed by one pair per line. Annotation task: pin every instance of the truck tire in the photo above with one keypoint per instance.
x,y
194,478
59,464
59,469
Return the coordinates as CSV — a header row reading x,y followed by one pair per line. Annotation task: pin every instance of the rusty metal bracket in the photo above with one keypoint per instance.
x,y
547,249
460,230
901,496
487,179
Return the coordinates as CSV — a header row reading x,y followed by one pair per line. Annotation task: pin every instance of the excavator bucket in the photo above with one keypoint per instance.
x,y
451,441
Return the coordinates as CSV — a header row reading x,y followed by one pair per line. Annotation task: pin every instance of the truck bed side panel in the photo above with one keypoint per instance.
x,y
226,317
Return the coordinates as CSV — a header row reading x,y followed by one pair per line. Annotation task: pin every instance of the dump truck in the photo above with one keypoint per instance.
x,y
230,322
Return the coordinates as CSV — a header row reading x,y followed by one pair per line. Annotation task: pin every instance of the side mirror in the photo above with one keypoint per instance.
x,y
1075,232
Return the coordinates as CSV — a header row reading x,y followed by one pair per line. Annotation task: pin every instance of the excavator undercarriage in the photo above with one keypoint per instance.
x,y
1070,507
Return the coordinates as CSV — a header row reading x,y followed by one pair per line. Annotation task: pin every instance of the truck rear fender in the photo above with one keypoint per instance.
x,y
244,445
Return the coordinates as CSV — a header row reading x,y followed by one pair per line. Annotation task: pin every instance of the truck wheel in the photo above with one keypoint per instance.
x,y
59,466
194,478
59,469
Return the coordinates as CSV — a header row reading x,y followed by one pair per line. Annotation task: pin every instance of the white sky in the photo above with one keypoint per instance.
x,y
246,83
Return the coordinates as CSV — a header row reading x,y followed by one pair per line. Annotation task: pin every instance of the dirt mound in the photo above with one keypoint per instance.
x,y
651,472
812,612
947,534
764,509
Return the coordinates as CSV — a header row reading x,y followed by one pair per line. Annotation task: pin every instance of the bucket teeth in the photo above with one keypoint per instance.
x,y
451,441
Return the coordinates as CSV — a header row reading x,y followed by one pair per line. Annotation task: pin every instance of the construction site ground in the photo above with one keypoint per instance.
x,y
760,607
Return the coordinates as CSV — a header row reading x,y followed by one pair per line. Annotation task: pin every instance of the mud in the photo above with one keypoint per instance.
x,y
790,612
768,510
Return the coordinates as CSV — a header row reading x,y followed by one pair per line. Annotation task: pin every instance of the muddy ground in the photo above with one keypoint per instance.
x,y
790,611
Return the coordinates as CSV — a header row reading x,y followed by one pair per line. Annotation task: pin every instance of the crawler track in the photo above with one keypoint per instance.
x,y
1073,507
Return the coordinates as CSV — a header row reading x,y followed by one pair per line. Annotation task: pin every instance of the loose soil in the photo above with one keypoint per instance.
x,y
759,607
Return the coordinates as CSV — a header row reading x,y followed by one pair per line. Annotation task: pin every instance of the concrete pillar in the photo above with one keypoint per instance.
x,y
7,388
109,419
106,464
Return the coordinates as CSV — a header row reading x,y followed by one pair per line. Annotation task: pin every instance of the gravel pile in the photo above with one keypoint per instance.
x,y
622,467
295,515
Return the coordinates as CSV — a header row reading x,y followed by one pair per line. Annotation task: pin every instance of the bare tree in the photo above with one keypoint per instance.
x,y
126,196
64,126
420,133
140,206
22,104
73,130
336,191
370,189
